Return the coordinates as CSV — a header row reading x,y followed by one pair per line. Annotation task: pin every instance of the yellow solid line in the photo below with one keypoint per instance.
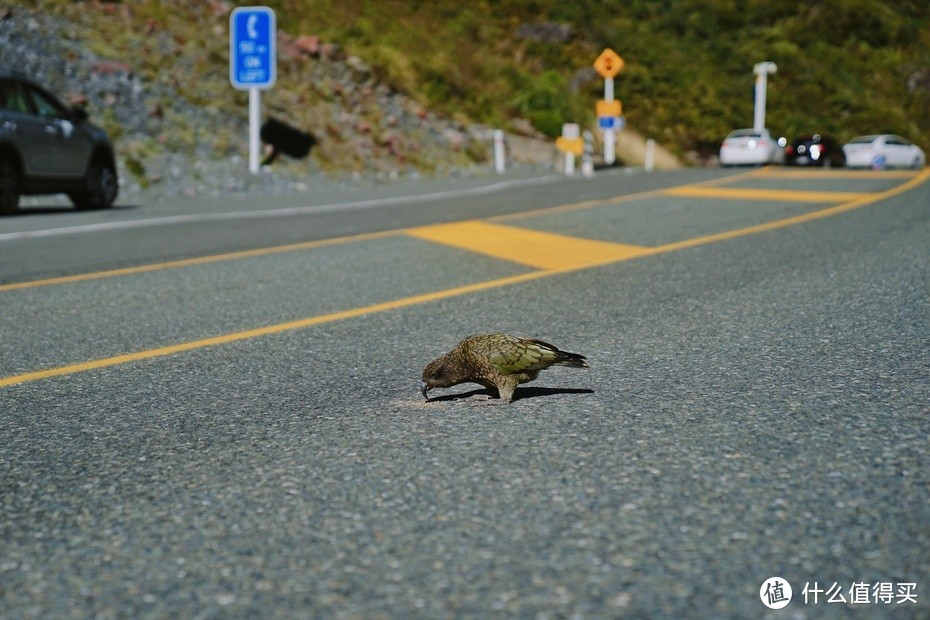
x,y
745,193
447,293
269,330
542,250
201,260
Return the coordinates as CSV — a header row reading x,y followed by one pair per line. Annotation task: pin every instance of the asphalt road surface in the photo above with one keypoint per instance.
x,y
210,409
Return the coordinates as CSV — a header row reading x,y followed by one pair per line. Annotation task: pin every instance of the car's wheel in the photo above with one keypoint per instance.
x,y
100,187
9,187
917,164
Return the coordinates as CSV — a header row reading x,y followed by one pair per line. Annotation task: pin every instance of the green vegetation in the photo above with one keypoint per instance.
x,y
845,67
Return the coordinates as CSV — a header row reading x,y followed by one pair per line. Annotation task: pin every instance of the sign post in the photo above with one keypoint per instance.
x,y
609,64
252,64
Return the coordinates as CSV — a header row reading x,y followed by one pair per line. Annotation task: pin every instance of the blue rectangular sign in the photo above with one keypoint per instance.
x,y
252,59
611,122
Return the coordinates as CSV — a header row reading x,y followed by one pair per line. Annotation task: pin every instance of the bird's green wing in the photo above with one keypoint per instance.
x,y
510,355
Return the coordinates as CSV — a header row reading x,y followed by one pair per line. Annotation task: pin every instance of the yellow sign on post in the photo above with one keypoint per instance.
x,y
609,108
570,145
608,64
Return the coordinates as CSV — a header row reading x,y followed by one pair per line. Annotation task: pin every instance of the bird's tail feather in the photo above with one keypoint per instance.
x,y
563,358
573,360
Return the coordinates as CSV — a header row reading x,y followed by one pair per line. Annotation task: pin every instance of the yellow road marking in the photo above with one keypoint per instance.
x,y
461,290
745,193
83,277
269,330
616,200
200,260
541,250
861,201
820,173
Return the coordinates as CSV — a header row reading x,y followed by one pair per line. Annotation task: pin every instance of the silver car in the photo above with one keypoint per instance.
x,y
47,148
883,151
748,147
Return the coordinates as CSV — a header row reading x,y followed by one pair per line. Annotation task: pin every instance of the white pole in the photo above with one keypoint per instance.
x,y
650,155
499,151
255,119
758,123
762,71
610,151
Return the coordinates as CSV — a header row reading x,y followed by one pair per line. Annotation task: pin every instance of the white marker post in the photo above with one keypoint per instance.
x,y
571,145
762,71
499,151
649,159
571,132
252,64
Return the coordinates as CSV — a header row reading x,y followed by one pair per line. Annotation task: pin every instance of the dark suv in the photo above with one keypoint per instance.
x,y
47,148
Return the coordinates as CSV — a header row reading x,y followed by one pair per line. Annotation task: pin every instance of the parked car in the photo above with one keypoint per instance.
x,y
48,148
883,151
748,147
815,150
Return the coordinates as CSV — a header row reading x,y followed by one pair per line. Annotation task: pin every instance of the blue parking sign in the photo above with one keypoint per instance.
x,y
252,56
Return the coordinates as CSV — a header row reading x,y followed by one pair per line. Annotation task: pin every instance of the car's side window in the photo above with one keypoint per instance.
x,y
13,98
46,107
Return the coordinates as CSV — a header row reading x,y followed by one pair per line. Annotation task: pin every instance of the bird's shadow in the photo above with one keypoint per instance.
x,y
519,393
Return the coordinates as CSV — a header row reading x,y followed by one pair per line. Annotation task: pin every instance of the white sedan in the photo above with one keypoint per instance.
x,y
883,151
748,147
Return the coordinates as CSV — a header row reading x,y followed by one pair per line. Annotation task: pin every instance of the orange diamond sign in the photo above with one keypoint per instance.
x,y
608,64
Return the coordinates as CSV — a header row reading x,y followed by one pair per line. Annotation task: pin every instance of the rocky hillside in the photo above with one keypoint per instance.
x,y
180,127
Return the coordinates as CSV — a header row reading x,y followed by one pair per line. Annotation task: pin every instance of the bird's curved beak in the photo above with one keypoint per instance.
x,y
424,386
